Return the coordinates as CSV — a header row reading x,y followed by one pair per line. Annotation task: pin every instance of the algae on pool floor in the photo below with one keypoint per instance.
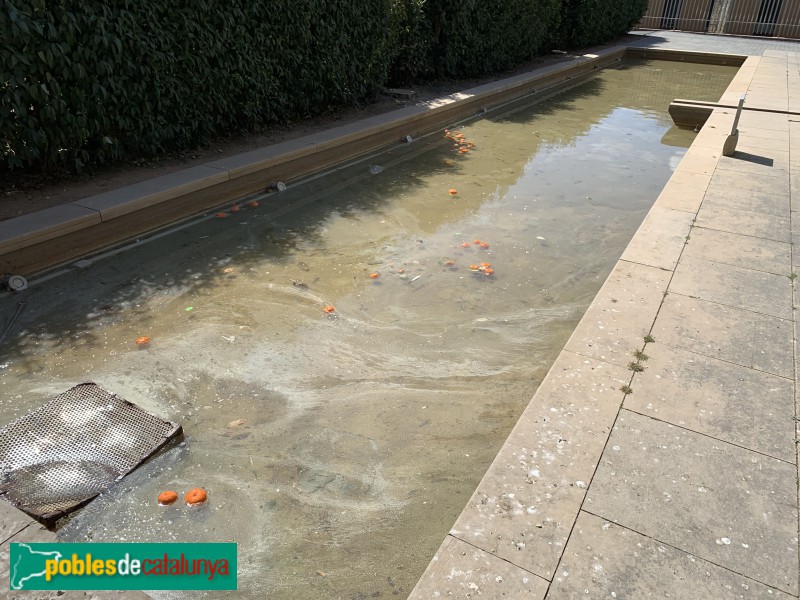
x,y
365,430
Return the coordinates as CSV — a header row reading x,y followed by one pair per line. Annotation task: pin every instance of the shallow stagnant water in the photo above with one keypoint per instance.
x,y
365,431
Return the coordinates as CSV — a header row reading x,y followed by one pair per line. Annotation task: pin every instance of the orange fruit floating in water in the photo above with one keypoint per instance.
x,y
235,209
253,203
465,244
474,267
463,150
488,271
195,496
328,309
374,275
452,191
476,242
168,497
142,341
221,215
485,264
483,245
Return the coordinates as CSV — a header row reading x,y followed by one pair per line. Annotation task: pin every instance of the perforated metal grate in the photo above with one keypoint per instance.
x,y
57,458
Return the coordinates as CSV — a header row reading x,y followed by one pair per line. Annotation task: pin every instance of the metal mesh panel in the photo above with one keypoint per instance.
x,y
57,458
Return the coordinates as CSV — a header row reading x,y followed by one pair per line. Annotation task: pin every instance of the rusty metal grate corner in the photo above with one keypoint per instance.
x,y
59,457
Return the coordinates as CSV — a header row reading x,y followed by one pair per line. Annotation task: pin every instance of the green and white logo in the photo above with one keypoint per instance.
x,y
122,566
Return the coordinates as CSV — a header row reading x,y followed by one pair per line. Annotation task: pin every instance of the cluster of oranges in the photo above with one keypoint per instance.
x,y
460,144
236,208
193,497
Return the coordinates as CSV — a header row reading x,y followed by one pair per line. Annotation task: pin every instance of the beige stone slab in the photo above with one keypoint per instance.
x,y
719,502
44,225
686,197
763,120
716,398
754,165
759,131
699,160
459,570
745,199
525,506
740,250
747,222
660,238
142,195
733,286
12,520
775,157
604,560
621,314
739,336
747,181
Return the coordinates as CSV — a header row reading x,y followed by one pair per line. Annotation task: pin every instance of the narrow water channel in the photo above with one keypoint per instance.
x,y
338,449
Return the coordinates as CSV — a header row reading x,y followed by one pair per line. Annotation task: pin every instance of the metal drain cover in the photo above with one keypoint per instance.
x,y
59,457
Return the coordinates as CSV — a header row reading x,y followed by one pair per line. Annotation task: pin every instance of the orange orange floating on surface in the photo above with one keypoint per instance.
x,y
235,209
142,341
167,497
476,242
195,496
374,275
253,203
483,245
474,267
463,150
465,244
488,271
221,215
328,309
485,264
452,191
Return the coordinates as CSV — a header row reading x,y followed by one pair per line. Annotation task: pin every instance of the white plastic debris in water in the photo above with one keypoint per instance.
x,y
281,186
375,169
409,139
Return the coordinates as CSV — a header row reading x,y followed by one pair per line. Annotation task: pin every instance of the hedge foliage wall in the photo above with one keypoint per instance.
x,y
90,82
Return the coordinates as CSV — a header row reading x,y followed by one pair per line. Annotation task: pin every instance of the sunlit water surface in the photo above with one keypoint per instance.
x,y
365,431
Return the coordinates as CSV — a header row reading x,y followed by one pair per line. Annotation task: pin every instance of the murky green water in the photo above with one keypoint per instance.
x,y
364,431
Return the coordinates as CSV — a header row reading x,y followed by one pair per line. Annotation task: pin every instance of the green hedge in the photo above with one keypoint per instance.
x,y
475,37
86,81
89,82
590,22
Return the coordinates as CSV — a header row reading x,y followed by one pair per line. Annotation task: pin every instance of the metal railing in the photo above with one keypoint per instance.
x,y
773,18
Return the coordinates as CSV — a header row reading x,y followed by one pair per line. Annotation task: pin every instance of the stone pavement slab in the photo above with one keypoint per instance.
x,y
745,199
463,571
684,191
621,313
524,508
660,238
734,286
739,336
718,399
749,222
604,560
740,250
722,503
765,184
